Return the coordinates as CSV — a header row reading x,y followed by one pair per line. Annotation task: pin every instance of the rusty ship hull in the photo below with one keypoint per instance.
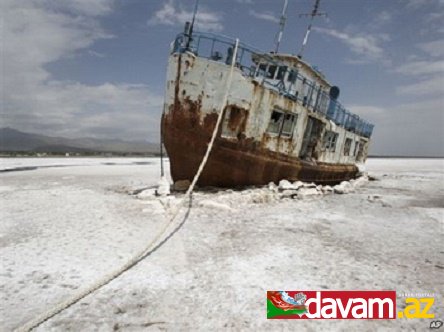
x,y
234,164
267,133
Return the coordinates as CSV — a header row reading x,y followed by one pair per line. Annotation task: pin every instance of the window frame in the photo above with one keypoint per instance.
x,y
262,69
281,123
271,71
330,140
281,72
347,146
277,123
356,148
292,76
294,118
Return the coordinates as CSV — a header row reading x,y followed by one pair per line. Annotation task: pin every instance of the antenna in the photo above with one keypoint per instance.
x,y
190,30
281,26
196,5
313,14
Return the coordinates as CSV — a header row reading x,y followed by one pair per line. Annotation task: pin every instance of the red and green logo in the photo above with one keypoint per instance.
x,y
333,304
281,303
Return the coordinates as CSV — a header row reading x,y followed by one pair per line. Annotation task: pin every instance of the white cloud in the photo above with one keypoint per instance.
x,y
367,110
427,71
414,4
83,7
365,45
34,36
266,16
432,15
430,86
74,109
422,67
36,33
96,54
436,16
427,75
433,48
410,129
170,15
383,18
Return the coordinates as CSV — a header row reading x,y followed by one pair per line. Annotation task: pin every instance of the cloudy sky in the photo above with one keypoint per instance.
x,y
96,68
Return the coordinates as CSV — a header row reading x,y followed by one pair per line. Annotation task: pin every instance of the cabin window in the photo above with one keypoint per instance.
x,y
275,122
298,85
281,72
306,90
355,151
360,155
282,123
311,96
319,104
271,71
315,96
330,139
347,146
288,125
262,69
292,75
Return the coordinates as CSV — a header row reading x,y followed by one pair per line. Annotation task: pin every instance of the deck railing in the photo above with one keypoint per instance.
x,y
276,75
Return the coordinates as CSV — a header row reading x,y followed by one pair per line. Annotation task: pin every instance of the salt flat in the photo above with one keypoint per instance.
x,y
67,221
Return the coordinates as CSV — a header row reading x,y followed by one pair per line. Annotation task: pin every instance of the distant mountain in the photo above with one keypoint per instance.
x,y
14,140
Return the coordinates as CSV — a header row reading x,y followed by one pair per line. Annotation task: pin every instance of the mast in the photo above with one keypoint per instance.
x,y
196,5
281,26
189,29
312,15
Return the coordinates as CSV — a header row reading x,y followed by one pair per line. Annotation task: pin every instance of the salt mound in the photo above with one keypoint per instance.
x,y
163,187
307,192
344,187
286,185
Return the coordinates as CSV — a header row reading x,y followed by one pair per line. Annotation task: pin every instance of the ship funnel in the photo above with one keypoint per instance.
x,y
334,92
334,95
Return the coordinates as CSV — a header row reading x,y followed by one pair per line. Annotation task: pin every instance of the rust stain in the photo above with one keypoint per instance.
x,y
177,85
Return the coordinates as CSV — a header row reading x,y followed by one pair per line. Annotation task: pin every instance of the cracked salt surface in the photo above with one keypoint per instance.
x,y
63,228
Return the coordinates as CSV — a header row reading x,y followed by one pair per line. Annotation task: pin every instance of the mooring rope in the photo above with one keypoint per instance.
x,y
160,238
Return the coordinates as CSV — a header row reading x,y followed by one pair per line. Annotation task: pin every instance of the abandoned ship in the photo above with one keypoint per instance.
x,y
282,119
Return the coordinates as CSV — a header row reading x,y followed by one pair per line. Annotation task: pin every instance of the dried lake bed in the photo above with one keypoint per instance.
x,y
67,221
